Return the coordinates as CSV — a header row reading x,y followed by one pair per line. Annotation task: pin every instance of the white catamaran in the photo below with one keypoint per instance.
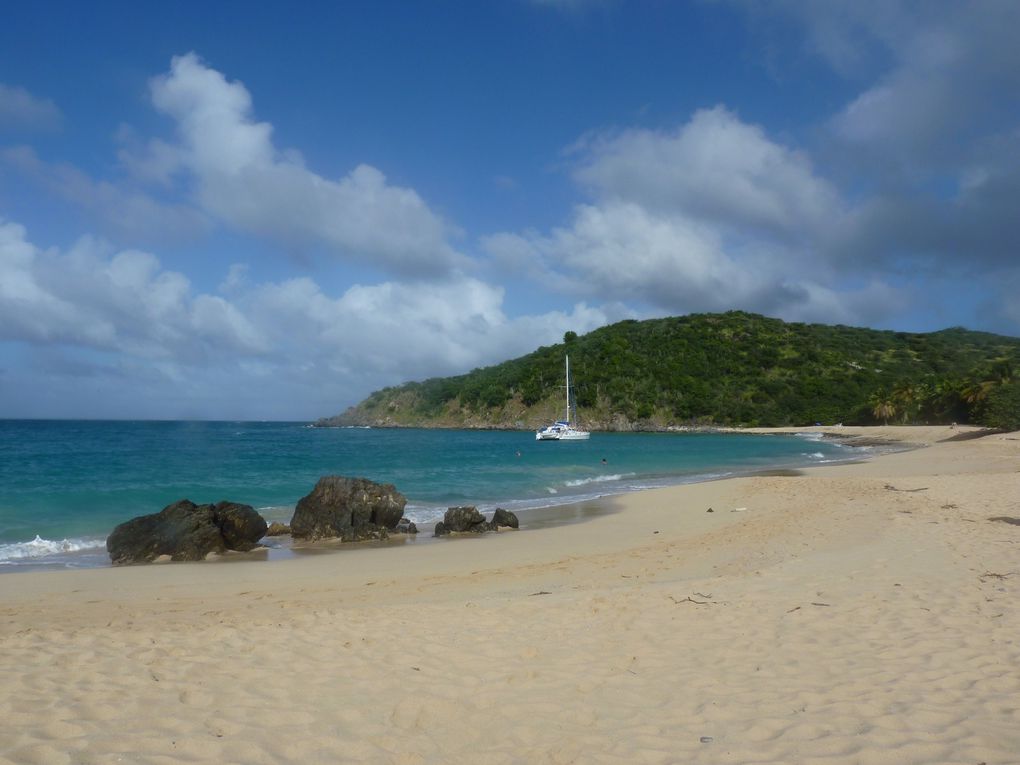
x,y
562,430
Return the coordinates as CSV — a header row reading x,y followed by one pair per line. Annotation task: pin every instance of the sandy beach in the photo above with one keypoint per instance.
x,y
862,613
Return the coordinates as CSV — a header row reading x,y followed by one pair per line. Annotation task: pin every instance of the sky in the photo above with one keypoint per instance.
x,y
268,210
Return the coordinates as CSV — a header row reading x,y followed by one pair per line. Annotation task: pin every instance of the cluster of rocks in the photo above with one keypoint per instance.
x,y
186,531
469,520
349,509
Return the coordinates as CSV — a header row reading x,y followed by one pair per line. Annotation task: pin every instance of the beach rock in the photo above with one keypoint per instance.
x,y
277,529
464,519
186,531
240,525
505,518
405,526
349,508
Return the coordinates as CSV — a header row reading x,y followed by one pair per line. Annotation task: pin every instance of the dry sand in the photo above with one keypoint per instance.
x,y
860,613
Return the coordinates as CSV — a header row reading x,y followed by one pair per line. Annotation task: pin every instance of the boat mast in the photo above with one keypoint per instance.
x,y
567,361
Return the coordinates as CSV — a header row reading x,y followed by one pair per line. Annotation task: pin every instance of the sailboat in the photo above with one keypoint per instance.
x,y
562,430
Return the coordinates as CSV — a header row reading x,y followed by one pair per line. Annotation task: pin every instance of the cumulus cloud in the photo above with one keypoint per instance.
x,y
120,316
121,302
918,184
241,178
21,110
390,330
709,216
715,168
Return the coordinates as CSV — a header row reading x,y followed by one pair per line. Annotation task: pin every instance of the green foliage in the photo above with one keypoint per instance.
x,y
1003,407
744,369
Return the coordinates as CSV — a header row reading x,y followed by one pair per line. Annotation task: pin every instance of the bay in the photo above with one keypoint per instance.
x,y
64,485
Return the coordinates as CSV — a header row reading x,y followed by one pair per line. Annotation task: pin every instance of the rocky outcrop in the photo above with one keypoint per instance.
x,y
350,509
505,518
240,525
186,531
459,520
464,519
277,529
405,526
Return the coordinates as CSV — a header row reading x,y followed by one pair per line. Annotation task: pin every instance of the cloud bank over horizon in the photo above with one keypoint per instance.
x,y
206,268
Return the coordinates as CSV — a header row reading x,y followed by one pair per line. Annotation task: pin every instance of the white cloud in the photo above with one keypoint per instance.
x,y
120,317
391,332
710,216
675,265
27,310
240,177
123,302
19,109
714,168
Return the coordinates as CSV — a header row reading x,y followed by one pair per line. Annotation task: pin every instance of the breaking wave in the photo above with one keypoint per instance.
x,y
15,552
599,479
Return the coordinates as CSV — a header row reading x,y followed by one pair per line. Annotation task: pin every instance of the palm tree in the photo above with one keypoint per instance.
x,y
907,397
977,389
883,408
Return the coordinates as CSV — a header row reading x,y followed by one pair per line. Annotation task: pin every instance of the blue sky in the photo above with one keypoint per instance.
x,y
266,211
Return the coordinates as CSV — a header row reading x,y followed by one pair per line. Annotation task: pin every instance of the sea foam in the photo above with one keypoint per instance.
x,y
41,548
599,479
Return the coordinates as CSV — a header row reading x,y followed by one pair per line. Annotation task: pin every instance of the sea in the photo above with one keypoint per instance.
x,y
64,485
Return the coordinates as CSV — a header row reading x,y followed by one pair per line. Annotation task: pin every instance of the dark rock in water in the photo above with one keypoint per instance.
x,y
349,508
186,531
469,520
366,533
464,519
505,518
277,529
406,526
241,526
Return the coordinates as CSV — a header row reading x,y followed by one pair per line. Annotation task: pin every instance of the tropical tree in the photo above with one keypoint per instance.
x,y
907,398
981,388
883,407
1003,409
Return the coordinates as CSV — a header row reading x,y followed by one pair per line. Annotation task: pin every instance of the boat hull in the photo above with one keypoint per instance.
x,y
561,432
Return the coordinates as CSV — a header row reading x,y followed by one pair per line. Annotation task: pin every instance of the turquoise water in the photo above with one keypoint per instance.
x,y
64,485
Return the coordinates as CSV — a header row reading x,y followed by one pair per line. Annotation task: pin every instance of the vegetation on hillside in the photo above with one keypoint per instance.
x,y
726,369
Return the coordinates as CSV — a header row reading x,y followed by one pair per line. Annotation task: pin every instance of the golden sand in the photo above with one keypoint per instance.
x,y
860,613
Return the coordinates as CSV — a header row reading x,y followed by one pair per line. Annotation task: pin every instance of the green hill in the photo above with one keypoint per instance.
x,y
722,369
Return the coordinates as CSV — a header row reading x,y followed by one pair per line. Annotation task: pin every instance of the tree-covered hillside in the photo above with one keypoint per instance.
x,y
723,369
